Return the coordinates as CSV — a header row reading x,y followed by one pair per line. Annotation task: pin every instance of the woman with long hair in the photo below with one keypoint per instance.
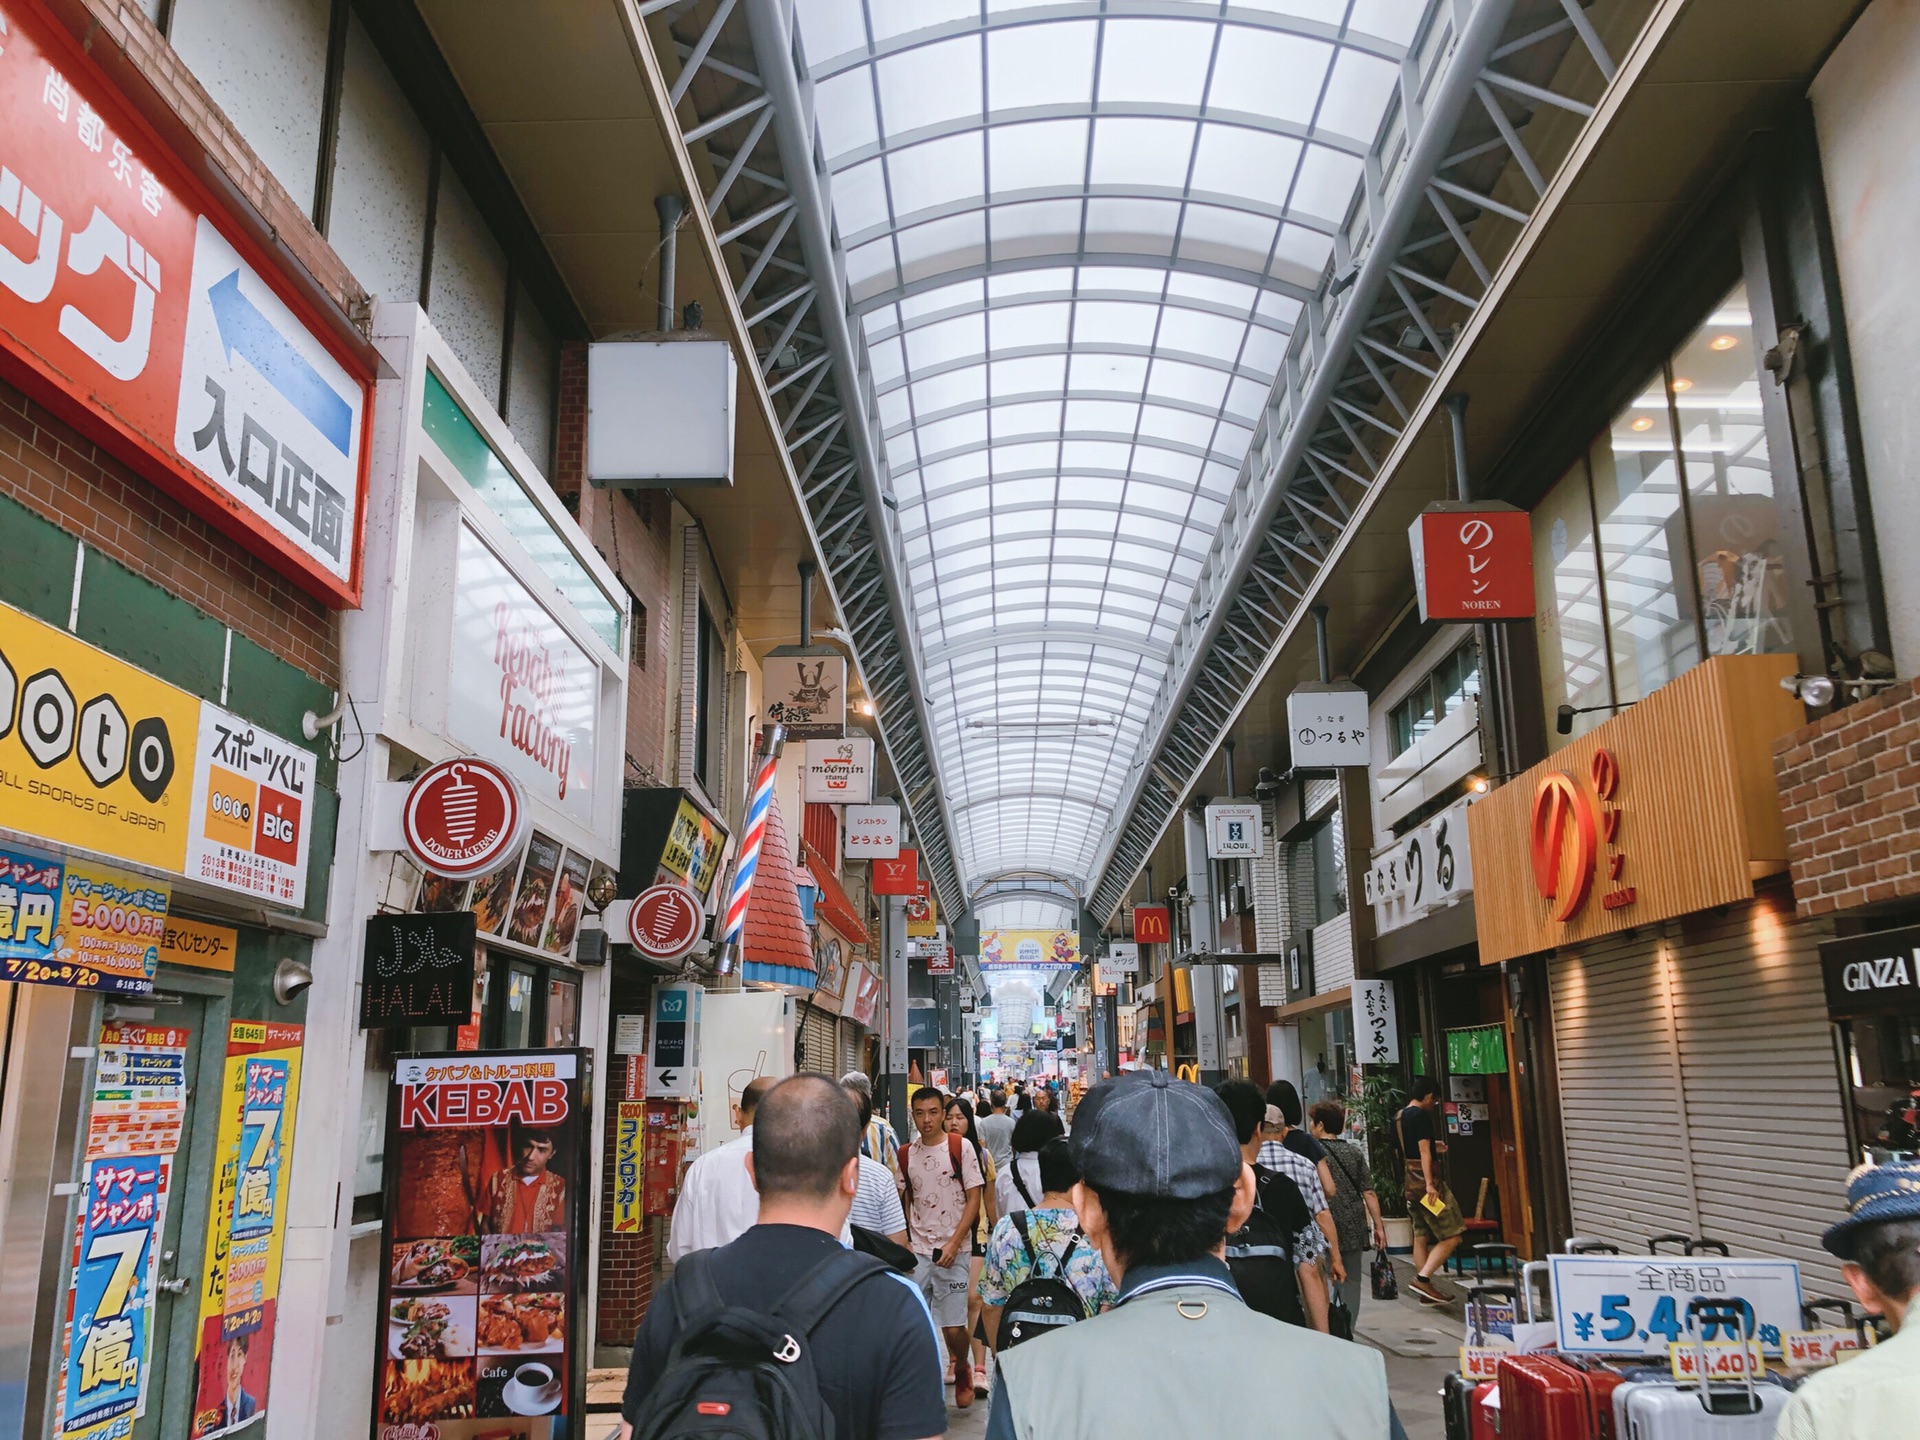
x,y
960,1121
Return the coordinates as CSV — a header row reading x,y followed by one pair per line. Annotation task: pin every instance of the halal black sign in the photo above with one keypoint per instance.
x,y
419,971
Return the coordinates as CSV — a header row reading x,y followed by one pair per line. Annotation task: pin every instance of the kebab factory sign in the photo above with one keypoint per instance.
x,y
133,305
1667,809
102,757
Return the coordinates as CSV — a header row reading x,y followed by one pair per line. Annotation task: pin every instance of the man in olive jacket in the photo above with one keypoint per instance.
x,y
1162,1186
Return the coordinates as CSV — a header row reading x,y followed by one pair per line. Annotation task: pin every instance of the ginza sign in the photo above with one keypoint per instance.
x,y
120,289
523,693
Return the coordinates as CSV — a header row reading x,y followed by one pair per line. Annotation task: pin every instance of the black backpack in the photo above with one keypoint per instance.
x,y
739,1374
1260,1253
1039,1306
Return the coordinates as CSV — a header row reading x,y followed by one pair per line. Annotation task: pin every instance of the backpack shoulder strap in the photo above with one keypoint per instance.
x,y
1020,1184
1067,1254
1019,1218
694,1294
824,1286
953,1154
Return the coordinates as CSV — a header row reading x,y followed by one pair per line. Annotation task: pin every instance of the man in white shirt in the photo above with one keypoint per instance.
x,y
718,1203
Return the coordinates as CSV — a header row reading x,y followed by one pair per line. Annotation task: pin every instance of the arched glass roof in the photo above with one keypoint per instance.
x,y
1077,238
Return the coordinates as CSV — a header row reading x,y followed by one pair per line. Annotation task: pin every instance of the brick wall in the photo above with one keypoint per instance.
x,y
52,469
1850,791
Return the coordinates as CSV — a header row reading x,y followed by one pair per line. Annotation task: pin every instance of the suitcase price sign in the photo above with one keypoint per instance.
x,y
1482,1362
1726,1360
1809,1349
1637,1305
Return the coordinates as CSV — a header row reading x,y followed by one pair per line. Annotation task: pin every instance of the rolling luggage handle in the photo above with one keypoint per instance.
x,y
1589,1245
1534,1280
1717,1247
1654,1244
1734,1315
1812,1310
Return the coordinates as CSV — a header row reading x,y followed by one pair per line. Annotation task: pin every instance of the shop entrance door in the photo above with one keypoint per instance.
x,y
171,1384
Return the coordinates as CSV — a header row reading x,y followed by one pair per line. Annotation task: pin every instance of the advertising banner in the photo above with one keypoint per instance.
x,y
1152,925
87,927
125,295
523,693
807,694
246,1227
629,1166
484,1246
1029,949
838,772
139,1091
899,875
695,843
109,1340
252,810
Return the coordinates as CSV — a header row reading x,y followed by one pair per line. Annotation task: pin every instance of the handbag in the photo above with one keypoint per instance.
x,y
1386,1284
872,1242
1339,1317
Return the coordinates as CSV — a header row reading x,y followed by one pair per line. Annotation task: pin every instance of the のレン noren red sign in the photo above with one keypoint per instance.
x,y
464,818
134,305
1473,561
664,922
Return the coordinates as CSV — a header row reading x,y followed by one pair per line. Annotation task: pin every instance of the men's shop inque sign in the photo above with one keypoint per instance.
x,y
120,291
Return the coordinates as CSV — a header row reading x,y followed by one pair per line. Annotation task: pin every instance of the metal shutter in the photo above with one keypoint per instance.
x,y
851,1047
1763,1092
1620,1094
819,1042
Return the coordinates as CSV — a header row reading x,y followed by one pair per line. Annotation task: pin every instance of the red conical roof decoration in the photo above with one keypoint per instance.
x,y
775,946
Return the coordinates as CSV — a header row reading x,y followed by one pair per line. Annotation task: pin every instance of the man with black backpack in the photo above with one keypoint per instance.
x,y
1273,1255
784,1332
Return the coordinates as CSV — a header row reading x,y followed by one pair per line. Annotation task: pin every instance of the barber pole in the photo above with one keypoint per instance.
x,y
756,831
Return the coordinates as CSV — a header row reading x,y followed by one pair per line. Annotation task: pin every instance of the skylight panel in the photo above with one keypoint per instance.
x,y
1021,422
860,197
1013,459
941,246
1024,326
929,84
1029,375
843,106
1041,227
1179,426
1198,333
1041,154
946,340
1131,152
944,392
870,266
1234,160
1358,92
1039,64
831,27
936,173
1120,374
1262,72
1327,182
1113,417
1113,322
1157,61
1196,384
1095,454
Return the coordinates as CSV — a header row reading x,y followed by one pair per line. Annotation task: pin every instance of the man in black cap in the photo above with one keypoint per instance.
x,y
1162,1184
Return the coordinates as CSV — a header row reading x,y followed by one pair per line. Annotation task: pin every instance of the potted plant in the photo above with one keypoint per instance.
x,y
1380,1100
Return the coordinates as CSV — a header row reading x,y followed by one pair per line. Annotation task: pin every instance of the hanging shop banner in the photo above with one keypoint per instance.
x,y
485,1246
807,694
1425,870
942,961
139,1091
1376,1027
1234,831
1123,957
1029,949
418,970
873,832
863,991
130,295
1327,725
108,1345
246,1227
523,693
1151,925
838,772
1473,561
899,875
252,810
695,844
84,926
198,945
629,1165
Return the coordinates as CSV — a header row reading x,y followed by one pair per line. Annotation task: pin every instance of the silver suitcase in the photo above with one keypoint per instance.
x,y
1746,1409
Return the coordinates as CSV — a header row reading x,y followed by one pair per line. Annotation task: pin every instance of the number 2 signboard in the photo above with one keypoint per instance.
x,y
122,289
1637,1304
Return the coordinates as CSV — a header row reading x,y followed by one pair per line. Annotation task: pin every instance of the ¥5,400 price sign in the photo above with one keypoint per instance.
x,y
1637,1305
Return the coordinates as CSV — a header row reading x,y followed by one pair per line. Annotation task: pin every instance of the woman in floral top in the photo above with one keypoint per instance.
x,y
1051,1226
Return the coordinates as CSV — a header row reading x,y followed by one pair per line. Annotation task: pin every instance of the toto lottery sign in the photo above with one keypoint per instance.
x,y
664,922
463,818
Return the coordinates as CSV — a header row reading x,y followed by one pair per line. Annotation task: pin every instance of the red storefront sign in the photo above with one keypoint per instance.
x,y
898,876
1151,926
131,305
1574,833
943,961
664,922
464,818
1473,562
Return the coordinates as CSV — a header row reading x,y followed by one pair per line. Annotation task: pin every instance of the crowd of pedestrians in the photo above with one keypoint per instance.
x,y
825,1274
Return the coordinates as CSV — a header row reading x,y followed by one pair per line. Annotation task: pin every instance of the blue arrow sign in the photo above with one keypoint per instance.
x,y
244,328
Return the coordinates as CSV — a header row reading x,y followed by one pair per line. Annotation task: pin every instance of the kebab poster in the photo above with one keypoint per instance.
x,y
246,1227
487,1156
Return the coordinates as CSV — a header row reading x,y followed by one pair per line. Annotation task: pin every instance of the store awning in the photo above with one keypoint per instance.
x,y
775,948
834,907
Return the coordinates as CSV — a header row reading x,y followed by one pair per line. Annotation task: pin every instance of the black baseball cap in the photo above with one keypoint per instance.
x,y
1146,1133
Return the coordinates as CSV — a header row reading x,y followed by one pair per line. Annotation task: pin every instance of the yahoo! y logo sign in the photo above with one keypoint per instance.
x,y
1573,831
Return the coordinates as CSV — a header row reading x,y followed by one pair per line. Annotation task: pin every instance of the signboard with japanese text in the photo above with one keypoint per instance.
x,y
863,995
139,1090
629,1165
694,846
1234,831
873,832
1637,1305
252,810
923,911
1029,950
1123,957
80,925
838,772
941,960
1473,561
246,1226
1327,726
199,945
108,1346
1376,1028
1429,867
806,694
484,1252
132,300
673,1069
523,693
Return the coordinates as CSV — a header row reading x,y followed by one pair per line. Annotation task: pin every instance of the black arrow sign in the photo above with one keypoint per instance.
x,y
666,1077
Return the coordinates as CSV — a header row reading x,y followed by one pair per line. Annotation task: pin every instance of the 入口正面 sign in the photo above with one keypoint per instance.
x,y
1234,830
806,694
1473,561
1327,726
523,692
873,832
463,817
129,296
1430,867
418,970
838,772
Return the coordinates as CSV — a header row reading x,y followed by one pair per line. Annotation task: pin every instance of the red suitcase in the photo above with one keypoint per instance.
x,y
1549,1397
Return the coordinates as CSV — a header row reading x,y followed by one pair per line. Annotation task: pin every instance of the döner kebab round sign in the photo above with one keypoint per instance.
x,y
464,818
